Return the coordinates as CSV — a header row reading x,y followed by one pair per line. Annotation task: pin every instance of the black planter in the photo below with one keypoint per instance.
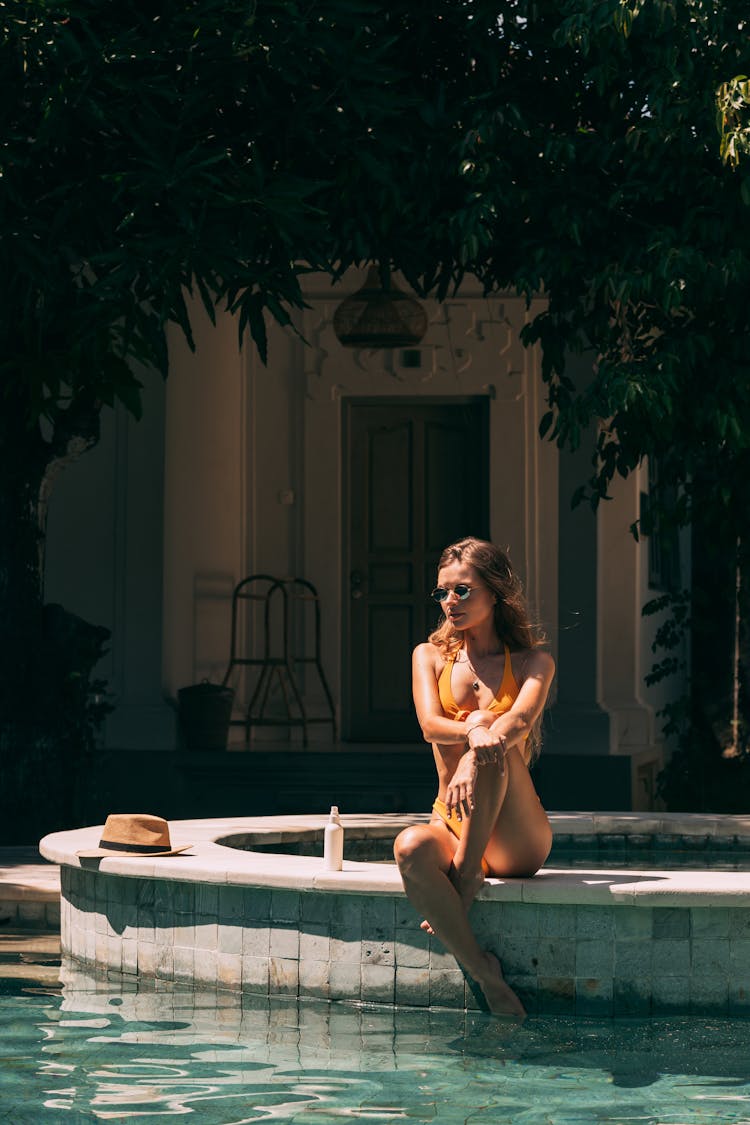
x,y
204,713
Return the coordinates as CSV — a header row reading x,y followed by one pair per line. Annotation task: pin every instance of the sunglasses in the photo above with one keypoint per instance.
x,y
462,591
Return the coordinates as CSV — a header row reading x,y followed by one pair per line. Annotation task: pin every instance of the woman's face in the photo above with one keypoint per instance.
x,y
465,613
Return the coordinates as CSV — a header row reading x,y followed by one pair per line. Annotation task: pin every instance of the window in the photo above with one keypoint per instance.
x,y
658,522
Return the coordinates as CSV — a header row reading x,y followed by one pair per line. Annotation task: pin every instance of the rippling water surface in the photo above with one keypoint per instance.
x,y
94,1051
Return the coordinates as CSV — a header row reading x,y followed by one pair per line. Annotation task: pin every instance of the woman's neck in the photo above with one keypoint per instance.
x,y
482,641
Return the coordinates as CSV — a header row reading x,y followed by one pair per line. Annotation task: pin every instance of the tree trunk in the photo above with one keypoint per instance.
x,y
47,717
710,770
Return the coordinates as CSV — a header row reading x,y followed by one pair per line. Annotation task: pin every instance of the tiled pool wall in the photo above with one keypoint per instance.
x,y
643,850
597,960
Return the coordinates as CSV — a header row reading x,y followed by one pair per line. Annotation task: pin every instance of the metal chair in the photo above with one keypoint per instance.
x,y
289,594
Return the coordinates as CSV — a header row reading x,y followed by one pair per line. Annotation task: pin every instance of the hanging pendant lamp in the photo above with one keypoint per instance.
x,y
378,317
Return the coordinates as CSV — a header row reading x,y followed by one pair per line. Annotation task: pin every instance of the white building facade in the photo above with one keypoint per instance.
x,y
344,468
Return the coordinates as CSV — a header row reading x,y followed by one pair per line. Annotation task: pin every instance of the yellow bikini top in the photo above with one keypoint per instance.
x,y
503,701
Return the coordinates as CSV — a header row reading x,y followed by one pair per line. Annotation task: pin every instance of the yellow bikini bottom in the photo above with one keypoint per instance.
x,y
455,826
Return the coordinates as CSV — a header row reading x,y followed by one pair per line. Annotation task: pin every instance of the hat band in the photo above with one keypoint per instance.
x,y
116,846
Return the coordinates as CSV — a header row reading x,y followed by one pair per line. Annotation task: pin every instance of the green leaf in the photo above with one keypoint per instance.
x,y
546,422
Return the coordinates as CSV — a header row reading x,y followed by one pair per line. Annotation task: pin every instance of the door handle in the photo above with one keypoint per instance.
x,y
356,582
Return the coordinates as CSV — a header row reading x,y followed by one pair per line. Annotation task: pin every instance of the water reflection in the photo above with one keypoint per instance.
x,y
104,1050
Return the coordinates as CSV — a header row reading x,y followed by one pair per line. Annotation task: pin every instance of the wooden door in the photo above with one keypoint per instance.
x,y
415,480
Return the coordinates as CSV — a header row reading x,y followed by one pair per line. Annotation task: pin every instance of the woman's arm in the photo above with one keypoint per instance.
x,y
487,747
435,726
515,724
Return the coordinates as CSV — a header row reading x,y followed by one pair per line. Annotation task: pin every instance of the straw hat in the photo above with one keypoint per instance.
x,y
134,834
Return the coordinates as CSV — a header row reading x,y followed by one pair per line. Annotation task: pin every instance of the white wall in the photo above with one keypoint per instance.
x,y
206,504
104,562
471,348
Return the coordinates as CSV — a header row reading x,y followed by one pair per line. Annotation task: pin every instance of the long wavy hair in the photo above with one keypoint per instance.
x,y
512,621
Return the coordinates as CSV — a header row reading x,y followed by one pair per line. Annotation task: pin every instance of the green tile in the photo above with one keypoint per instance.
x,y
739,995
314,943
346,912
556,995
255,974
378,983
345,949
256,941
555,958
285,906
284,943
710,922
412,986
315,978
378,952
710,957
518,956
633,922
520,919
739,922
412,952
283,976
206,900
378,917
671,922
446,988
593,959
557,921
709,995
594,921
316,908
670,995
632,958
671,958
229,939
231,904
594,996
256,903
631,996
739,957
345,980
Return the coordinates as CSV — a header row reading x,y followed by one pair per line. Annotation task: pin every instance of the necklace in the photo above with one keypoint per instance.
x,y
476,681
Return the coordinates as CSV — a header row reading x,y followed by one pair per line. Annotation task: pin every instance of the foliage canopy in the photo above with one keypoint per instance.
x,y
229,146
226,147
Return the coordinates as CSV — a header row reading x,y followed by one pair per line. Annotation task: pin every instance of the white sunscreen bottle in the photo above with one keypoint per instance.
x,y
333,842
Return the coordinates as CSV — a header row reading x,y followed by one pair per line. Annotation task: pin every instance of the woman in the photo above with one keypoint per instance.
x,y
480,684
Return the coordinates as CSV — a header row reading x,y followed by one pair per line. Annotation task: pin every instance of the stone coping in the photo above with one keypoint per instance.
x,y
23,877
208,861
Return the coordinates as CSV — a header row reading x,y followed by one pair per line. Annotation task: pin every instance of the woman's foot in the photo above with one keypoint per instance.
x,y
501,999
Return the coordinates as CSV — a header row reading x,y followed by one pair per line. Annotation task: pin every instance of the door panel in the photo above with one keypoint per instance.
x,y
390,457
416,480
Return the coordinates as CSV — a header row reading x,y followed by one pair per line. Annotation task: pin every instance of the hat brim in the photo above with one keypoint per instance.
x,y
121,853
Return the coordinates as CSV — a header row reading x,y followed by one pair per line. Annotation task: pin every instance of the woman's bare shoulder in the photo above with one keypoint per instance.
x,y
428,655
536,662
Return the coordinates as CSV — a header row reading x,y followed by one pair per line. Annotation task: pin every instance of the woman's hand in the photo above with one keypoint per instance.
x,y
486,747
459,794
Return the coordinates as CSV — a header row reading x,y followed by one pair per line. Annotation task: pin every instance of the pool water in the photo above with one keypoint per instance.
x,y
647,859
78,1049
609,853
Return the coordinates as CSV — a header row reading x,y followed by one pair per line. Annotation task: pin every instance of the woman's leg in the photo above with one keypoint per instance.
x,y
521,838
489,797
425,855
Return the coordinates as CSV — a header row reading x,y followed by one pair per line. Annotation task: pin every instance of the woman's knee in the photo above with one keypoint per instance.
x,y
414,847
